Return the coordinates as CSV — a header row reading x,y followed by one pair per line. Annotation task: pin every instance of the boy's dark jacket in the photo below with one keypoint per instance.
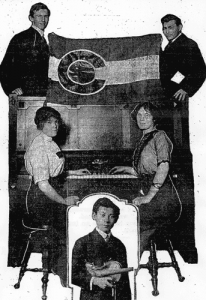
x,y
92,248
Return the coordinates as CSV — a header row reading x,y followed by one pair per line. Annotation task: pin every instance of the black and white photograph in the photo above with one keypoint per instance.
x,y
102,144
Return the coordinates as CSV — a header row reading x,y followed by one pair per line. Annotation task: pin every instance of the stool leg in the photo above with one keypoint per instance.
x,y
153,269
174,261
45,266
24,264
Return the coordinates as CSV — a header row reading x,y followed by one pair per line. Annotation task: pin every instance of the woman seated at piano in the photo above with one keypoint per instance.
x,y
46,203
157,199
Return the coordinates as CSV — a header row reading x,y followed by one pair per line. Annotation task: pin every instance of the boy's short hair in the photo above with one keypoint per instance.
x,y
105,202
36,7
170,17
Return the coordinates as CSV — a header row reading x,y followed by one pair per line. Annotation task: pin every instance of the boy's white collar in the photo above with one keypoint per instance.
x,y
103,234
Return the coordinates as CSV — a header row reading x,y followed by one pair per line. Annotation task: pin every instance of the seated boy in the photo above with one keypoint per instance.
x,y
97,248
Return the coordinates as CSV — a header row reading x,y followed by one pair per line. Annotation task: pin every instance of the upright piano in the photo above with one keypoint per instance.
x,y
97,137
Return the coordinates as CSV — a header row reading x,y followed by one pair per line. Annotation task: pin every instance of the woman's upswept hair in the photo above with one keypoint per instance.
x,y
105,202
36,7
43,114
148,106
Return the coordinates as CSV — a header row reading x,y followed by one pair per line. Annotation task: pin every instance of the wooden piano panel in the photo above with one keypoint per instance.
x,y
122,187
94,127
100,127
26,128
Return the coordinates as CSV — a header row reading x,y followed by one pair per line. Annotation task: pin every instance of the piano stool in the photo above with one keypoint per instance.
x,y
161,238
37,241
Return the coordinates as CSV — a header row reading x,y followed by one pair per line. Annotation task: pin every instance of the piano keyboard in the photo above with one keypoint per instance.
x,y
102,176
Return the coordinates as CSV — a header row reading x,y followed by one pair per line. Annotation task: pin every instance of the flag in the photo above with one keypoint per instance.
x,y
104,71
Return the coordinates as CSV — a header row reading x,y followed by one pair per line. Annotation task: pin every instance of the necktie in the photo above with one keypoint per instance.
x,y
168,45
107,238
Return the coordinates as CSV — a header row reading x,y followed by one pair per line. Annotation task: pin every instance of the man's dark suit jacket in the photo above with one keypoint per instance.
x,y
92,248
25,64
182,55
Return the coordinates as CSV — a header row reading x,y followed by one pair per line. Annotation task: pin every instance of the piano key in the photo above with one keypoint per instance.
x,y
102,176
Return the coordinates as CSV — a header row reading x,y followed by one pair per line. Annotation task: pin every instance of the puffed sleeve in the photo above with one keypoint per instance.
x,y
37,163
163,146
40,166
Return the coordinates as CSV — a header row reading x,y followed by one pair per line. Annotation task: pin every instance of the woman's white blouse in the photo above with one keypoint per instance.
x,y
42,160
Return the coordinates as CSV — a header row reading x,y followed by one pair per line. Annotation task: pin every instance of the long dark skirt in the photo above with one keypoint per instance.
x,y
43,211
163,210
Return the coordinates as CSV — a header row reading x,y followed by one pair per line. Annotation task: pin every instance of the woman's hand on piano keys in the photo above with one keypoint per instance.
x,y
123,170
79,172
71,200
